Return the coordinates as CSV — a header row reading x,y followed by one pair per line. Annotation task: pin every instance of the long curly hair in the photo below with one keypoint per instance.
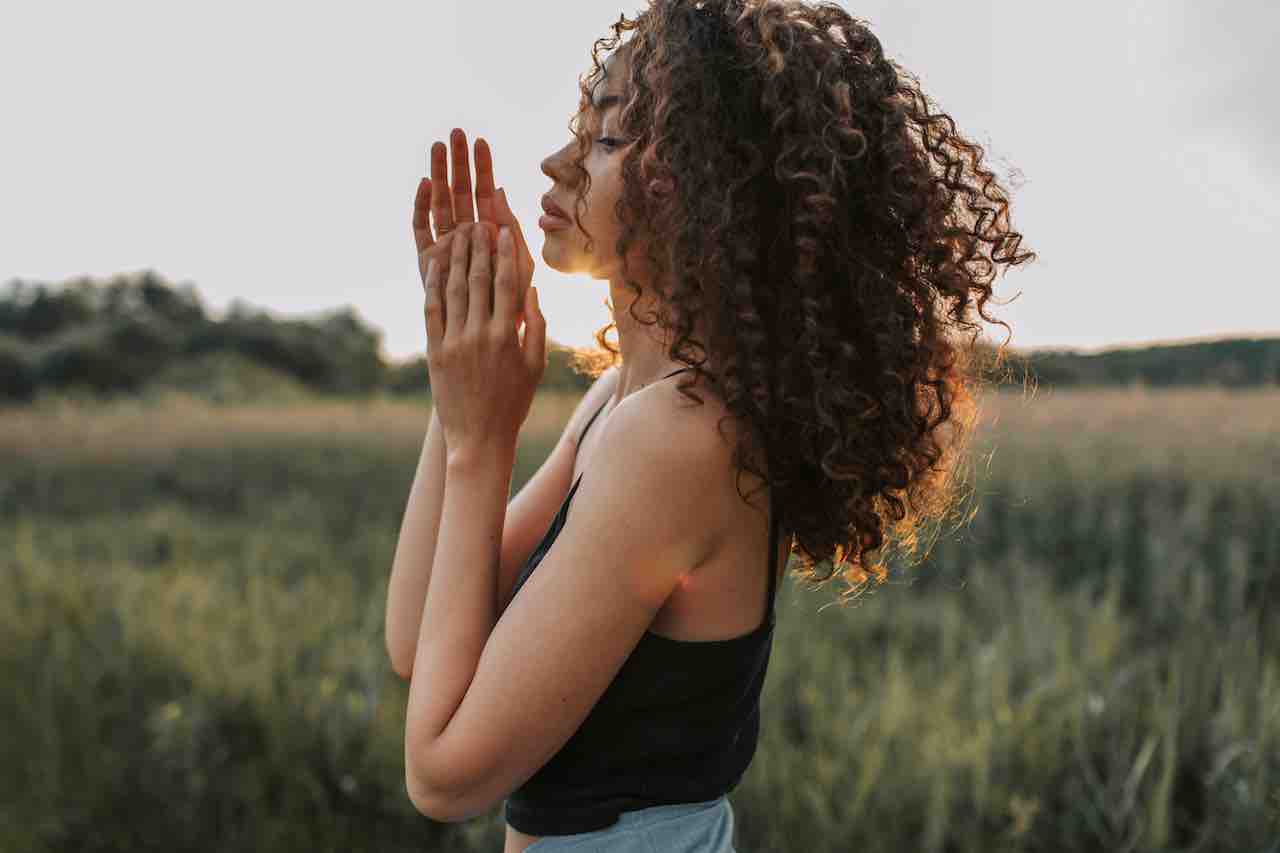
x,y
833,236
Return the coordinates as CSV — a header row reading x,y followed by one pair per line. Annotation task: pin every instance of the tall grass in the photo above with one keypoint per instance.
x,y
192,658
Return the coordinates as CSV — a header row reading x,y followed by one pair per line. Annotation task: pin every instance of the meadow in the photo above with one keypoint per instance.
x,y
192,656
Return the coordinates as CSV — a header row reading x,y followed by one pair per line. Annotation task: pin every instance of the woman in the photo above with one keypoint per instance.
x,y
795,235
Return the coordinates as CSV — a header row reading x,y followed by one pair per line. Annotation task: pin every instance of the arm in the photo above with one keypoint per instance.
x,y
415,550
527,518
448,206
530,512
461,604
492,699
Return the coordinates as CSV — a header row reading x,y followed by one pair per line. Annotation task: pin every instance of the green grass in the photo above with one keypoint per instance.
x,y
192,657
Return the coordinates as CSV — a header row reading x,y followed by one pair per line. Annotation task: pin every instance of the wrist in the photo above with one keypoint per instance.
x,y
471,457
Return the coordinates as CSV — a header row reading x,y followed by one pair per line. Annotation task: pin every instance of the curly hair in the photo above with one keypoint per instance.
x,y
800,199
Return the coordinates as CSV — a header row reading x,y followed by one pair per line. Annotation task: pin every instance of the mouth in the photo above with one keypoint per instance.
x,y
548,222
553,218
552,209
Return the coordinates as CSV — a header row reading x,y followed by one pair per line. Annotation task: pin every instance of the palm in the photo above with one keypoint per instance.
x,y
451,205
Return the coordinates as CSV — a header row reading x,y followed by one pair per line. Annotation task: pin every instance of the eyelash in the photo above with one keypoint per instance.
x,y
608,142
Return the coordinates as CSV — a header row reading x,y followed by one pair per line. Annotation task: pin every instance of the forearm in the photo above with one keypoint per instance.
x,y
415,551
461,604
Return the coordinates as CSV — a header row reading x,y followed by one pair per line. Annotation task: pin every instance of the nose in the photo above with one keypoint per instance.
x,y
554,164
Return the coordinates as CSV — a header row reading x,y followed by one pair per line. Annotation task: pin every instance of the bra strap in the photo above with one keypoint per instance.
x,y
583,434
606,402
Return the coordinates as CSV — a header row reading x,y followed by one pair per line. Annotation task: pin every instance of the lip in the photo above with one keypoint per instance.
x,y
551,222
553,209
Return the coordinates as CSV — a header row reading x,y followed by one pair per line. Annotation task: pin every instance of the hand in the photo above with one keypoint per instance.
x,y
483,377
450,209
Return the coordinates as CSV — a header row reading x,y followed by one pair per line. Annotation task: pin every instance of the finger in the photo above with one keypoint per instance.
x,y
455,291
522,248
486,202
463,210
525,261
421,223
434,307
441,201
535,334
505,282
439,252
479,281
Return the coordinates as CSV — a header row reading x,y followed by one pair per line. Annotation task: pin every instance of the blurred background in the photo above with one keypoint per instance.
x,y
212,400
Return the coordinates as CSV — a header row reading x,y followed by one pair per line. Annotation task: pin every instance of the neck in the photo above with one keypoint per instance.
x,y
643,348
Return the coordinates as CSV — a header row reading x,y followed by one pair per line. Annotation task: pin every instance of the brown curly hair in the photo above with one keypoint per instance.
x,y
800,199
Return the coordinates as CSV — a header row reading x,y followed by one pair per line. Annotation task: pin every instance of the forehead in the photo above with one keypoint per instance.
x,y
607,91
615,65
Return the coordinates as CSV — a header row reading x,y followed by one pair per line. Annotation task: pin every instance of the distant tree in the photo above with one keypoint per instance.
x,y
121,333
114,354
17,374
35,311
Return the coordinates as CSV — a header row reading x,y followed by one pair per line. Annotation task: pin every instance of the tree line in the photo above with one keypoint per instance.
x,y
119,335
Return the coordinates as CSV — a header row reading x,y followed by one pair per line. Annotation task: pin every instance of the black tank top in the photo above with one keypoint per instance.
x,y
678,724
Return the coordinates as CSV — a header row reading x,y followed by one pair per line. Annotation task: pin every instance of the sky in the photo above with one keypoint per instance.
x,y
270,152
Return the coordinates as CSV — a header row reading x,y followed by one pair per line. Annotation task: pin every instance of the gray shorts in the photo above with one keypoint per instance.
x,y
705,827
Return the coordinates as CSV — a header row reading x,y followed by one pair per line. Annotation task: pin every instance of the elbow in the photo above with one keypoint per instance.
x,y
438,791
446,809
405,672
438,808
429,800
400,646
400,666
430,805
426,797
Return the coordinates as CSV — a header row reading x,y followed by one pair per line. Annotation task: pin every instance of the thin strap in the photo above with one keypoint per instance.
x,y
590,422
606,402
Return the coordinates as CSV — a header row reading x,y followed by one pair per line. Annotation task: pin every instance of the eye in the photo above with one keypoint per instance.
x,y
608,142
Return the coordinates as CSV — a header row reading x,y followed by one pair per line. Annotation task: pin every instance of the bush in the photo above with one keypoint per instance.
x,y
114,354
17,373
225,377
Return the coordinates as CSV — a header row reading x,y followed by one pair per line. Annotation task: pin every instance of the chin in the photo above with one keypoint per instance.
x,y
552,258
563,259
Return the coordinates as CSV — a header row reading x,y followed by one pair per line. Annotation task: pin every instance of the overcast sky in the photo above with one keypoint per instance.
x,y
270,151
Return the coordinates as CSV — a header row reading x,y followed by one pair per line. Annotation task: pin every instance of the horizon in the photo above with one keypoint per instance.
x,y
552,341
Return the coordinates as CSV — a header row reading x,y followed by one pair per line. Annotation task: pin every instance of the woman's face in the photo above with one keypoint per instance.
x,y
565,248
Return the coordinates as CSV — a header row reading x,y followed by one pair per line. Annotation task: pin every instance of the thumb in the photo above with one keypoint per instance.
x,y
505,208
535,332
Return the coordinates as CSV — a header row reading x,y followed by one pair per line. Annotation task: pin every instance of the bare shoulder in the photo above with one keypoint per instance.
x,y
686,428
646,490
692,445
708,426
717,433
601,388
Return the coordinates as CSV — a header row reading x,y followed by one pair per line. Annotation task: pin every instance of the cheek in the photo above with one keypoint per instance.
x,y
606,189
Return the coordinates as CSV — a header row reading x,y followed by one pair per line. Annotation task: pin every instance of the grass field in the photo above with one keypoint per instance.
x,y
192,657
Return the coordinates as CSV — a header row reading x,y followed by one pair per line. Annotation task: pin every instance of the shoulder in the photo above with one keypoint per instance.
x,y
599,391
663,465
669,429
